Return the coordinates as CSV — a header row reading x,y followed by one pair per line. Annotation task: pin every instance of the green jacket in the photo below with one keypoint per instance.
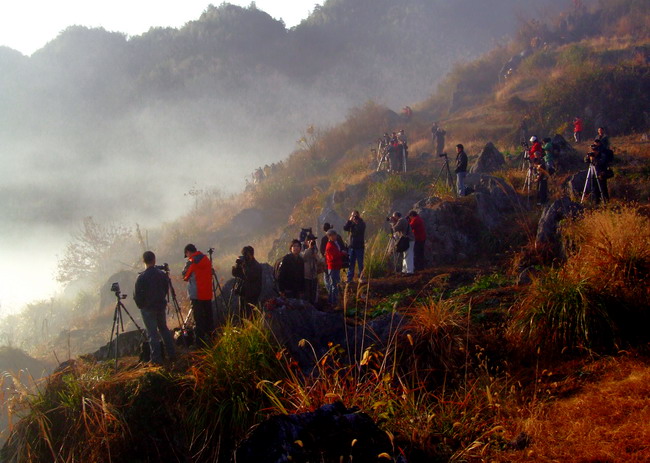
x,y
548,152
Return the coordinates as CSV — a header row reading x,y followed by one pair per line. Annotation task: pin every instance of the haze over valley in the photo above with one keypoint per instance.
x,y
127,130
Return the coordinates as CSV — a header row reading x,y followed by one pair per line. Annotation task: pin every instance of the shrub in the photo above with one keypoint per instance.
x,y
599,298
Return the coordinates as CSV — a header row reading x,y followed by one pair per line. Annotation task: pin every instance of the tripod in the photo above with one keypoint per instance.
x,y
390,249
589,182
528,183
171,299
118,323
448,177
382,153
216,285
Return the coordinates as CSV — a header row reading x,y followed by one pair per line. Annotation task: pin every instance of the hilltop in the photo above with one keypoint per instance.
x,y
515,344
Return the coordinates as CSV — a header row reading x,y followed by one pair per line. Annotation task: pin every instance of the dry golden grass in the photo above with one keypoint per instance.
x,y
607,421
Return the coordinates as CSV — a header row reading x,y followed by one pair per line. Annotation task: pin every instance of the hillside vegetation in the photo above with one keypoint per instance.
x,y
520,350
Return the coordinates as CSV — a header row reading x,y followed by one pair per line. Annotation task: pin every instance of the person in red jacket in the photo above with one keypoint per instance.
x,y
334,259
420,234
577,129
198,273
536,151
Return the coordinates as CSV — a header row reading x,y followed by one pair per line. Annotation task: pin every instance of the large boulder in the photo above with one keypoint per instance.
x,y
332,433
489,160
128,344
293,320
495,199
575,184
232,300
452,231
566,156
547,228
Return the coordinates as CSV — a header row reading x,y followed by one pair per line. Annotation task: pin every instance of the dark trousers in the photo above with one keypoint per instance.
x,y
203,320
542,190
311,290
418,255
599,195
246,305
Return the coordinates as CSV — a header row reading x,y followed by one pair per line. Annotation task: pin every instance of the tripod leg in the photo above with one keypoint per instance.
x,y
584,190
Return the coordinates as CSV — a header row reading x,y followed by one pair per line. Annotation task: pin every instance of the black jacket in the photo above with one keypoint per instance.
x,y
151,290
250,272
357,233
291,274
461,162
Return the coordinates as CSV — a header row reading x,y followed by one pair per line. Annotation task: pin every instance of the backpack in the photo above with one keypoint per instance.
x,y
609,156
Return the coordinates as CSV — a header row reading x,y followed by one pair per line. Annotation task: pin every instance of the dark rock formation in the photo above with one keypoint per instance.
x,y
128,344
575,184
293,320
565,155
547,228
489,160
496,200
332,433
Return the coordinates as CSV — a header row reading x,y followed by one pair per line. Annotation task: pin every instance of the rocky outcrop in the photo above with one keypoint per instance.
x,y
332,433
455,228
489,160
495,199
293,321
566,156
575,184
128,344
547,228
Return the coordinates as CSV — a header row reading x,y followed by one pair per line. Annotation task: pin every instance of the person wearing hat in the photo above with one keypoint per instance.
x,y
198,274
536,151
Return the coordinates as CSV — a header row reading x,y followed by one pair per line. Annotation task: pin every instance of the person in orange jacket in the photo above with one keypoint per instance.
x,y
198,273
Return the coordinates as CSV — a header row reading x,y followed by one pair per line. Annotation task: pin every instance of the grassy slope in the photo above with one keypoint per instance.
x,y
575,408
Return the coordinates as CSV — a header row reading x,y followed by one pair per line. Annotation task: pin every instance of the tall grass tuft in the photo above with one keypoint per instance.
x,y
599,297
225,401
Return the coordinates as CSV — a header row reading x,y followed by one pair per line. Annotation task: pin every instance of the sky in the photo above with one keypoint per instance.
x,y
28,25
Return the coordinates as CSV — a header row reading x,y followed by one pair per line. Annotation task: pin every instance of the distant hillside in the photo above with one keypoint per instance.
x,y
219,96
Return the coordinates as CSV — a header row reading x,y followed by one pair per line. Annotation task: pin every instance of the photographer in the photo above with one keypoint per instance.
x,y
313,260
603,139
600,158
150,297
461,169
541,178
357,229
536,150
440,140
404,238
198,274
291,273
249,287
420,236
334,258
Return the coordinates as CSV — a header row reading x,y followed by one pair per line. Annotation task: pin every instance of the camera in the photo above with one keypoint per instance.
x,y
525,144
164,267
442,155
115,287
239,260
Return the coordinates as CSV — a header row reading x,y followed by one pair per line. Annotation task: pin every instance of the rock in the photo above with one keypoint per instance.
x,y
325,435
329,215
566,156
405,204
489,160
293,320
495,199
128,344
547,228
427,202
574,185
452,227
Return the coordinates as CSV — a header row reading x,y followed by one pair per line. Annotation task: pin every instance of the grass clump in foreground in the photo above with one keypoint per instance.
x,y
599,297
87,413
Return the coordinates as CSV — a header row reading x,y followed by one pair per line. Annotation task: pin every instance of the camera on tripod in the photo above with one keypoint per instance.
x,y
239,260
115,287
304,233
164,267
442,155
